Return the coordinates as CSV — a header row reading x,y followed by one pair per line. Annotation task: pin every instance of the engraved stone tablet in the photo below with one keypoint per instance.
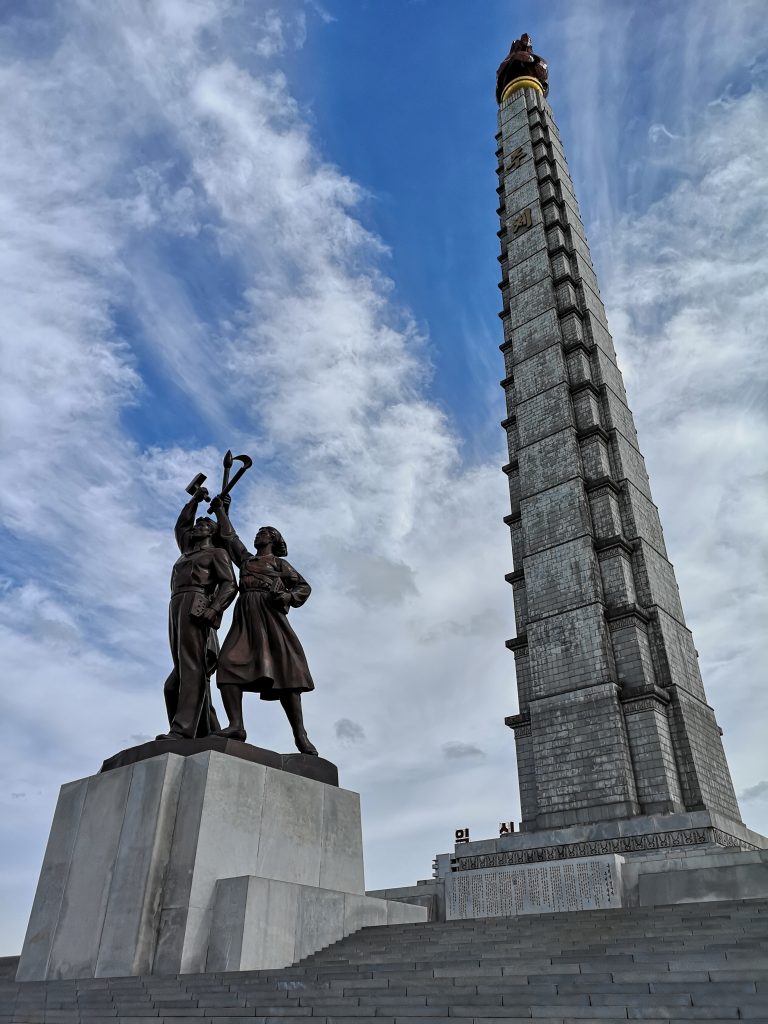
x,y
590,883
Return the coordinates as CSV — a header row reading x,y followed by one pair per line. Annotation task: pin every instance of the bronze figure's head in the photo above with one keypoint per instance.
x,y
204,527
270,535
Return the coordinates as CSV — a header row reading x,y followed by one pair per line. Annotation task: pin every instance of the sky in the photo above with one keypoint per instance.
x,y
270,226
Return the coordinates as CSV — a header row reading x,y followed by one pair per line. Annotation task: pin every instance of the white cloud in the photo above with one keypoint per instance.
x,y
348,731
756,792
456,750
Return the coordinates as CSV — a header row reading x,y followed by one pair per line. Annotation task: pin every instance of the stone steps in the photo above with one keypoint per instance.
x,y
692,962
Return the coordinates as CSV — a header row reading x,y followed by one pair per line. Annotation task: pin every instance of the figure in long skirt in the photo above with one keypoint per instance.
x,y
261,653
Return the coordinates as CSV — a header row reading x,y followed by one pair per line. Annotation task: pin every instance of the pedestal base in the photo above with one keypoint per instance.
x,y
130,874
307,765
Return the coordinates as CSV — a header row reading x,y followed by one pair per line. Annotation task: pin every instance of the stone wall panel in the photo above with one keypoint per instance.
x,y
544,414
555,516
561,578
569,651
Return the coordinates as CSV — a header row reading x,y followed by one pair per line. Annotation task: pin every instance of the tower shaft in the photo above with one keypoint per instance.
x,y
613,720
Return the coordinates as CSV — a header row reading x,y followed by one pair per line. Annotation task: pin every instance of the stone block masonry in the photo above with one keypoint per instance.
x,y
155,867
613,719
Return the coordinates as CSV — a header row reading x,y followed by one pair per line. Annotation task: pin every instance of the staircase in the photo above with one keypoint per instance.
x,y
689,962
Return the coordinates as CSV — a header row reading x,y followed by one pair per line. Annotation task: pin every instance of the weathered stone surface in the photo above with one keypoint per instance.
x,y
523,341
585,728
647,839
546,413
596,600
530,303
696,959
547,462
308,766
569,651
653,754
563,577
530,270
136,852
78,927
36,952
127,944
539,372
592,883
543,530
707,878
261,923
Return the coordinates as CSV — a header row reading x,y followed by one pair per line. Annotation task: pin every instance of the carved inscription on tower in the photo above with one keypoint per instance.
x,y
590,884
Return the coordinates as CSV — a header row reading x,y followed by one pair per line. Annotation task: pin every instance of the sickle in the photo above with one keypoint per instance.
x,y
247,462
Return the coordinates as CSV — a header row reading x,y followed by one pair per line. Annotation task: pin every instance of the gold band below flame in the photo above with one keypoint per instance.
x,y
524,82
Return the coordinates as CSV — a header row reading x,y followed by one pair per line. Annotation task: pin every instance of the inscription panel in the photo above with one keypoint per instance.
x,y
593,883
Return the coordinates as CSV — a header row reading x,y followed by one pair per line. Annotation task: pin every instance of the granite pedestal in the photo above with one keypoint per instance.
x,y
129,879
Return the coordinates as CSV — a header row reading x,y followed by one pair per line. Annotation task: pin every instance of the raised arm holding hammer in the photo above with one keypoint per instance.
x,y
202,587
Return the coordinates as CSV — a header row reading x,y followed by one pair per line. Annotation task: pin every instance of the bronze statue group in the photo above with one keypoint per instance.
x,y
260,654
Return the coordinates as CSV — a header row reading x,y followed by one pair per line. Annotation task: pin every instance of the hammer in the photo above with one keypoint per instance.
x,y
196,482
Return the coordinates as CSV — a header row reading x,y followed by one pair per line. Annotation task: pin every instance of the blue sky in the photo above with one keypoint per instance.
x,y
271,227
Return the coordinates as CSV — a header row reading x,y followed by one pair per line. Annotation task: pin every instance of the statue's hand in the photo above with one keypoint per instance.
x,y
201,494
220,503
211,616
282,600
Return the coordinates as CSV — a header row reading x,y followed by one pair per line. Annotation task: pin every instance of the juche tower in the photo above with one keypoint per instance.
x,y
614,722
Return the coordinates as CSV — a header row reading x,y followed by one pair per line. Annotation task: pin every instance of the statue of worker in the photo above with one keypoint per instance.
x,y
203,585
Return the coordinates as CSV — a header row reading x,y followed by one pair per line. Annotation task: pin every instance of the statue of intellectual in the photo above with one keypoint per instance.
x,y
261,653
203,585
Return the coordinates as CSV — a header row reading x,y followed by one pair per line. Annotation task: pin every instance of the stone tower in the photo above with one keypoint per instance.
x,y
613,722
625,791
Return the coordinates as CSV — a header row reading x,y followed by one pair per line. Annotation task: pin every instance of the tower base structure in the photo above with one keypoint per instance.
x,y
651,860
207,862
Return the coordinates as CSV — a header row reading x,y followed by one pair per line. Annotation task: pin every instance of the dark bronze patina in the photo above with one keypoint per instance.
x,y
520,62
226,483
261,653
202,587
